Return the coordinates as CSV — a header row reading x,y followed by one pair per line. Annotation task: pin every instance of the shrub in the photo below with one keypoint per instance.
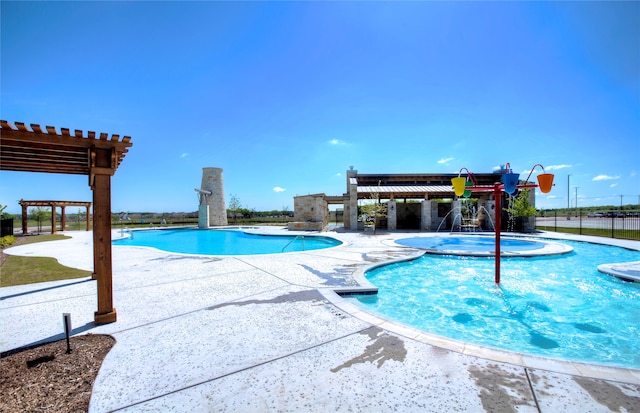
x,y
7,240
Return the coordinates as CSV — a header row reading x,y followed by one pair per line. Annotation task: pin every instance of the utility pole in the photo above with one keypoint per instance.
x,y
576,188
568,198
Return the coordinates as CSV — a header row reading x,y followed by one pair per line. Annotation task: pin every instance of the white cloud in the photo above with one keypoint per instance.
x,y
556,167
337,142
184,155
338,174
278,189
445,161
613,185
605,178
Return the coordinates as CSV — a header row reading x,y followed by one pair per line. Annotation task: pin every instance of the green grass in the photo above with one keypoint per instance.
x,y
28,270
598,232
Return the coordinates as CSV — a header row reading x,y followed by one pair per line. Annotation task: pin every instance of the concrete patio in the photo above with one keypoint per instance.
x,y
267,333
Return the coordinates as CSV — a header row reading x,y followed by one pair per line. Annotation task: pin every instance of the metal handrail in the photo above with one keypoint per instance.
x,y
293,240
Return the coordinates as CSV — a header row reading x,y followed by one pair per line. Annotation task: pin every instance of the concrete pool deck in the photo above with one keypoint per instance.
x,y
267,333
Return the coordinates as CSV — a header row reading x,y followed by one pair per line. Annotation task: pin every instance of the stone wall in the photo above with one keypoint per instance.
x,y
310,213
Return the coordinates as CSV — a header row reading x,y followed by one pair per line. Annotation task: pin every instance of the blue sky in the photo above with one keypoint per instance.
x,y
285,96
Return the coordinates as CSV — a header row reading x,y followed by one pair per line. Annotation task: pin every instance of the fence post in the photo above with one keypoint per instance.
x,y
580,225
613,224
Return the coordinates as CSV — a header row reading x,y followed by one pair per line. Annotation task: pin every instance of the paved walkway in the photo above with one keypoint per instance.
x,y
267,333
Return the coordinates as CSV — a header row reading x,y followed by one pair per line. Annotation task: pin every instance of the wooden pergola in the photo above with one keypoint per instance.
x,y
96,156
53,205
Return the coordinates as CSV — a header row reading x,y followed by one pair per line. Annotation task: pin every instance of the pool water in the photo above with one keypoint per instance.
x,y
223,242
553,306
470,243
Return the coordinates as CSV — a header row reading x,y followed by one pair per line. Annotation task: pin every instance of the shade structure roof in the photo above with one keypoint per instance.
x,y
45,150
412,186
407,189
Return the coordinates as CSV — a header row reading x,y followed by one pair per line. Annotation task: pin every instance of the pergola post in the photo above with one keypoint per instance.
x,y
88,218
25,229
53,218
63,218
100,181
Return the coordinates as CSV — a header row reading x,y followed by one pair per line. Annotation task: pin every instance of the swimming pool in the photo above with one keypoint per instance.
x,y
223,242
484,245
553,306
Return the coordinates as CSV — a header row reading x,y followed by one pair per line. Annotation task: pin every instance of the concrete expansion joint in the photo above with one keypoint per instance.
x,y
533,392
275,276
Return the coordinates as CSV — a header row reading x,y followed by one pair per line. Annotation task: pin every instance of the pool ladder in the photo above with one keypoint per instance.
x,y
293,240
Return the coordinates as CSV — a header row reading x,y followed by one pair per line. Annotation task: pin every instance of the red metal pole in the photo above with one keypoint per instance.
x,y
497,192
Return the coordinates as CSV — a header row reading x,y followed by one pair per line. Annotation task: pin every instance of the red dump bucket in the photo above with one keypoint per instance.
x,y
545,182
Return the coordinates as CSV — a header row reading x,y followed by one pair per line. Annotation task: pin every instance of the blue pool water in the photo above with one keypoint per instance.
x,y
470,243
552,306
224,242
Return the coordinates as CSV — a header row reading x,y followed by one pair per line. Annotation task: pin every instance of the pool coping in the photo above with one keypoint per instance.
x,y
628,271
584,369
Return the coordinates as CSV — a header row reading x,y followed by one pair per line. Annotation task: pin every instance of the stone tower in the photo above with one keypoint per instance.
x,y
213,183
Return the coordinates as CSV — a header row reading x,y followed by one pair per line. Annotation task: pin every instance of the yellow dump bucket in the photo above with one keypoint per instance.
x,y
458,185
545,182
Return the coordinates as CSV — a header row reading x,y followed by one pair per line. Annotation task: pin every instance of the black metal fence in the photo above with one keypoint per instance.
x,y
613,224
6,227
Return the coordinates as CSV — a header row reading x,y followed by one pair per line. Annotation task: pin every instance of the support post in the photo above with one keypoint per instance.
x,y
497,192
63,219
25,229
88,218
53,219
100,181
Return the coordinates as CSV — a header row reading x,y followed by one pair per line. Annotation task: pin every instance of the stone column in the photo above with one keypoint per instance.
x,y
426,219
212,181
392,219
456,214
352,208
490,206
